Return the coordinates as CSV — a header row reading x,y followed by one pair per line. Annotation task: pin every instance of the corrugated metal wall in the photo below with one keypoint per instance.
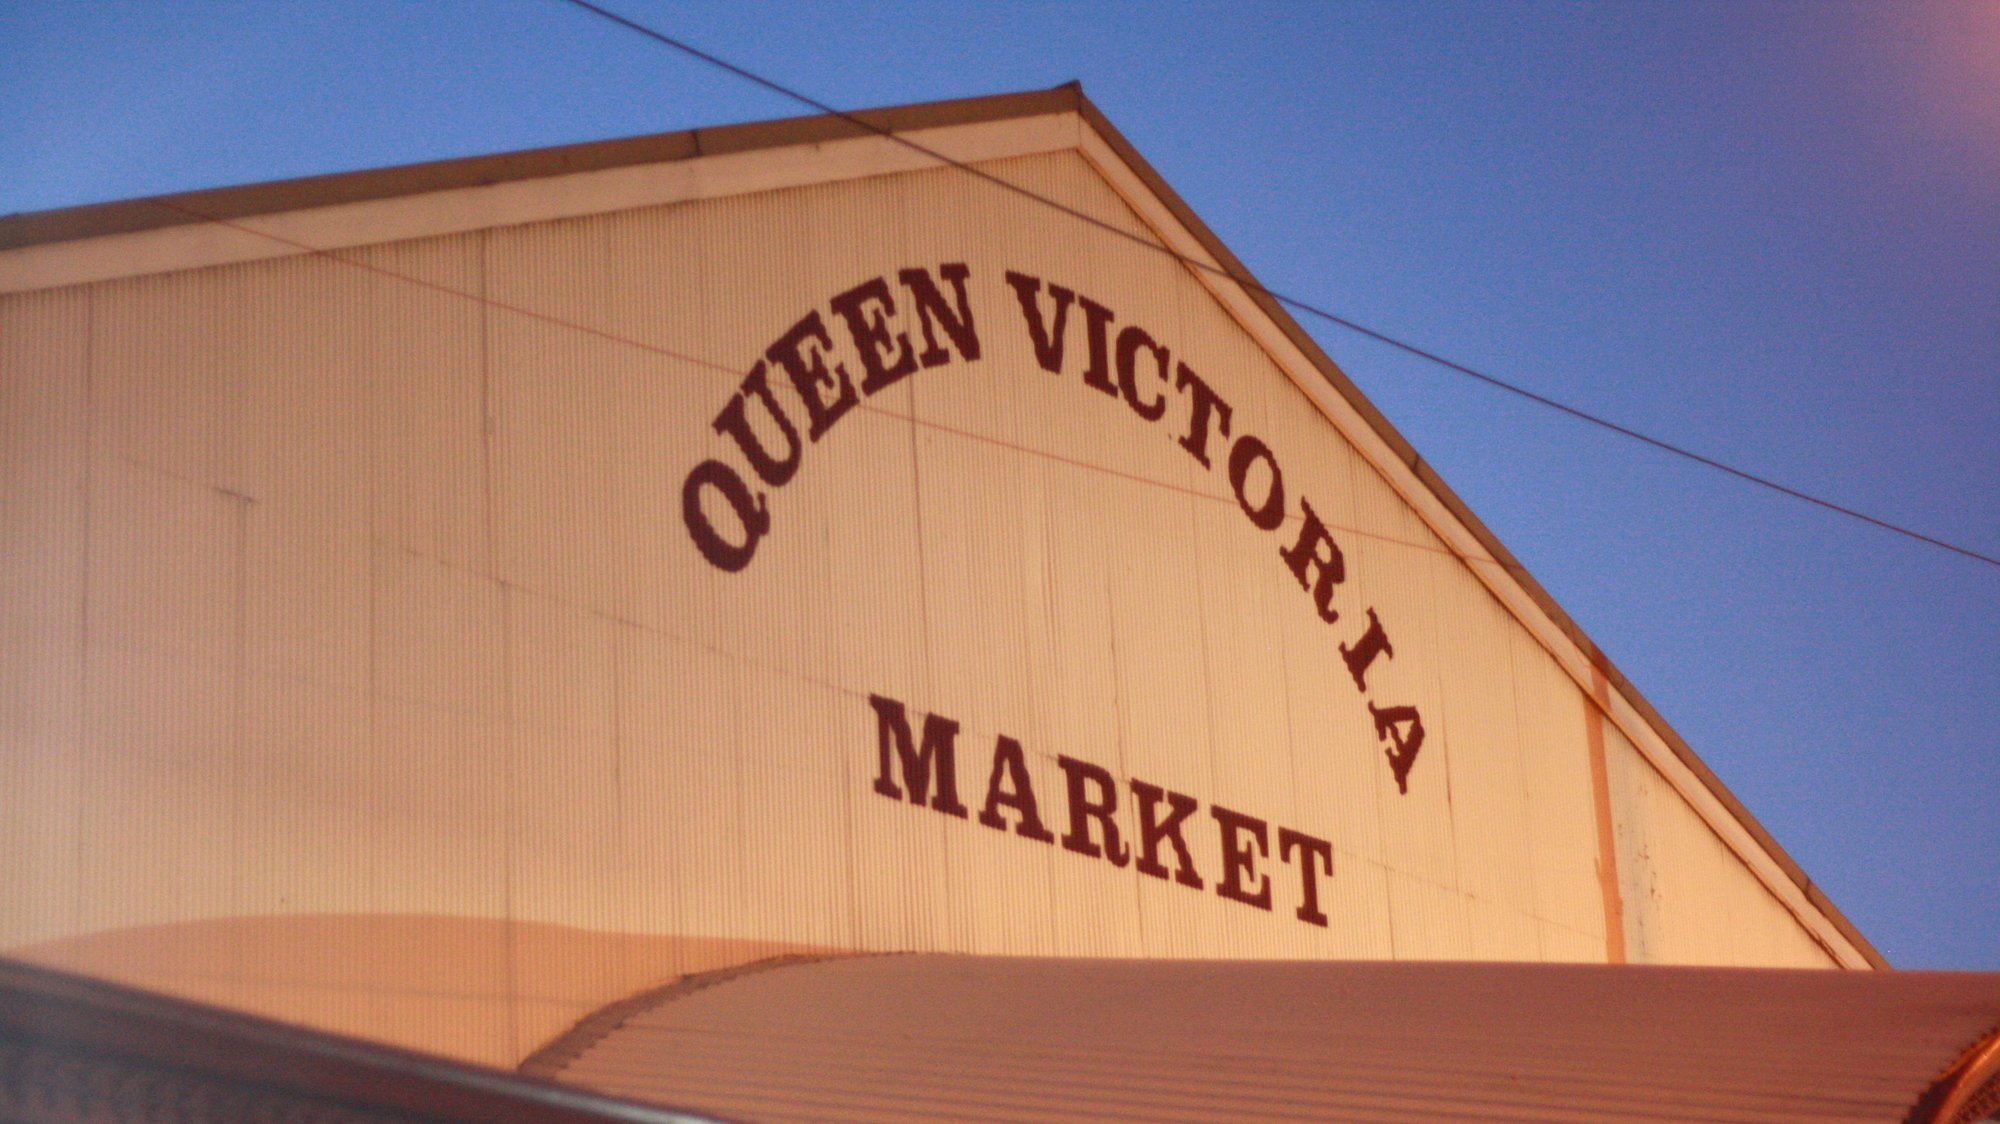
x,y
1687,899
359,667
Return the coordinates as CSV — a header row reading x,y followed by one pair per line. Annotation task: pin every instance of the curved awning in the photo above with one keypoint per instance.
x,y
942,1036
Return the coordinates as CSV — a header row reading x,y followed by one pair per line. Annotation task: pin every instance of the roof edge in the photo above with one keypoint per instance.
x,y
128,216
1426,475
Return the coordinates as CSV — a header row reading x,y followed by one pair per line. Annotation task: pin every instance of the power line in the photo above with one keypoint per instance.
x,y
1293,302
179,207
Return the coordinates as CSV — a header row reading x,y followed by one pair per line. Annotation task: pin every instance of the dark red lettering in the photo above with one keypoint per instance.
x,y
1083,808
1010,764
936,757
1315,550
1373,643
1130,342
931,308
750,512
1390,723
1096,324
1205,409
801,351
886,358
1271,511
734,423
1153,830
1048,343
1238,862
1309,848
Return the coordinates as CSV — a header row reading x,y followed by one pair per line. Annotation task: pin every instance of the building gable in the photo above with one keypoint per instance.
x,y
782,547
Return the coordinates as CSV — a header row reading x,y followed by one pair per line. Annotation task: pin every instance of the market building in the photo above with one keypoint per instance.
x,y
446,606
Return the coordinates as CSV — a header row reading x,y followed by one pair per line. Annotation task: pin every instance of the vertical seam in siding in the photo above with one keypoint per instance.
x,y
510,819
239,693
486,427
79,758
1607,843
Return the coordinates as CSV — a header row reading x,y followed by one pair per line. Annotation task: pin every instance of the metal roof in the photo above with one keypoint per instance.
x,y
75,1049
906,1037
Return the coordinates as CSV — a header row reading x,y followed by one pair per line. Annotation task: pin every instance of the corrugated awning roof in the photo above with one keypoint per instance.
x,y
940,1036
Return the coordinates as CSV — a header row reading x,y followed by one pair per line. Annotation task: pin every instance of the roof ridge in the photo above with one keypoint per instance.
x,y
126,216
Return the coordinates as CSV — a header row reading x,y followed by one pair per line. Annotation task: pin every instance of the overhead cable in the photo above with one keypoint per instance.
x,y
1251,285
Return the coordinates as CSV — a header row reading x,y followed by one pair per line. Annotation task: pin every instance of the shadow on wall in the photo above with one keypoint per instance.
x,y
476,989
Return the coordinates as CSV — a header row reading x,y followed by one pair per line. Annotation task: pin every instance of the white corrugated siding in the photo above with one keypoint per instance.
x,y
44,490
1687,899
333,591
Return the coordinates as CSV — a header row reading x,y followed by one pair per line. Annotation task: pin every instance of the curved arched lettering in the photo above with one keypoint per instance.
x,y
882,335
751,513
734,423
1130,341
1247,451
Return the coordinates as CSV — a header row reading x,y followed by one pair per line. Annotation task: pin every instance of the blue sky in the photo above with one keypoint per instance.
x,y
1768,232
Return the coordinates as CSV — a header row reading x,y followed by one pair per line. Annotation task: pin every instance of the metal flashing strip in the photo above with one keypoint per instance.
x,y
1607,844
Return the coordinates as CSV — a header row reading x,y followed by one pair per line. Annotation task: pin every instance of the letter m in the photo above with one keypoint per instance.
x,y
935,757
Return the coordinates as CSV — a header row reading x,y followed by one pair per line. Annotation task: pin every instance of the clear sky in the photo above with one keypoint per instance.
x,y
1769,232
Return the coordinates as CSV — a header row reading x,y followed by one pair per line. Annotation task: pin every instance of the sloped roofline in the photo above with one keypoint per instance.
x,y
249,201
131,216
